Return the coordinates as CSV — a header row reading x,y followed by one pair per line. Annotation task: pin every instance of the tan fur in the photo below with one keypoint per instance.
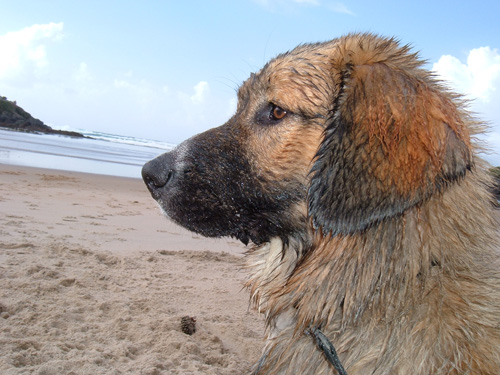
x,y
418,293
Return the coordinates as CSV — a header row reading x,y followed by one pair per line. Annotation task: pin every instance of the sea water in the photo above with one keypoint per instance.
x,y
103,153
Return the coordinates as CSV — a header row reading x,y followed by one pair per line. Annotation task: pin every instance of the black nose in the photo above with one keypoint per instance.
x,y
159,172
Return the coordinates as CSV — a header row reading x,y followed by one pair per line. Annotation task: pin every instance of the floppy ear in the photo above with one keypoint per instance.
x,y
394,139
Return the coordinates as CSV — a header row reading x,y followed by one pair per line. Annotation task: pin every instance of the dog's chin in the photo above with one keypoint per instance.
x,y
245,235
207,228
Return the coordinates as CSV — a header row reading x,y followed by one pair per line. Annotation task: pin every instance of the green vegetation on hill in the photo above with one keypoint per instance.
x,y
13,117
12,107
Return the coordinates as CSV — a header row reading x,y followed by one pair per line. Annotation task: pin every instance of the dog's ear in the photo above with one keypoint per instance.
x,y
394,139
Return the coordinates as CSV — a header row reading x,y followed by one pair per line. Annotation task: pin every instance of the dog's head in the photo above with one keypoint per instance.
x,y
336,136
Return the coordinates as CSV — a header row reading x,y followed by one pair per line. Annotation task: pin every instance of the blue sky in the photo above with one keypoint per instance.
x,y
167,70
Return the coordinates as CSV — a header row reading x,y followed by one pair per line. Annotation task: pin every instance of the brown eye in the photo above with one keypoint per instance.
x,y
277,113
271,114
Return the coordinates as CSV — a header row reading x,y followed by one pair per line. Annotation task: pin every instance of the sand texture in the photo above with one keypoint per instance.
x,y
95,281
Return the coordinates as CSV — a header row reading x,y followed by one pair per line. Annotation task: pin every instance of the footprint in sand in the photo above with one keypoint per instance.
x,y
70,218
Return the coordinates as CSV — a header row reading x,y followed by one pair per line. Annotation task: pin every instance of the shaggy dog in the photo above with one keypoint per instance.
x,y
354,174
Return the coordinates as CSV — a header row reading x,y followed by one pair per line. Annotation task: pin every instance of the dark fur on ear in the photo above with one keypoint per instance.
x,y
395,138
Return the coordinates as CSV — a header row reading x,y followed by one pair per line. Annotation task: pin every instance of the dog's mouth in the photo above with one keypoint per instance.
x,y
250,235
212,222
243,237
196,218
208,186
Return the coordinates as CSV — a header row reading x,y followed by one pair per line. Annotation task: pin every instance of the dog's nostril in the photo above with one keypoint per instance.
x,y
162,171
156,176
158,180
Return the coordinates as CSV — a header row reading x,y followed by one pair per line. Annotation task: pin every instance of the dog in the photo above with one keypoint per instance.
x,y
355,175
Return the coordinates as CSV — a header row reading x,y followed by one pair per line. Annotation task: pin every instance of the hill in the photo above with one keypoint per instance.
x,y
14,117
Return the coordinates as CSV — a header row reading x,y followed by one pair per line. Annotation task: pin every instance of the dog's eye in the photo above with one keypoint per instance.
x,y
277,113
271,114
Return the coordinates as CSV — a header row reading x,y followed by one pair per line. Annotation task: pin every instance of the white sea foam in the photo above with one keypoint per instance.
x,y
102,153
128,140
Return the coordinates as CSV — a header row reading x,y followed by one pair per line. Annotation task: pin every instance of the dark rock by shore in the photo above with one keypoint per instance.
x,y
13,117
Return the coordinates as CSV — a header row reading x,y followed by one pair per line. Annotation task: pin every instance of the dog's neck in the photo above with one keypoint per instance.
x,y
386,269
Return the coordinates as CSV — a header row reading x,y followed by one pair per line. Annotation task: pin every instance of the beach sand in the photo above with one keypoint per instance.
x,y
94,280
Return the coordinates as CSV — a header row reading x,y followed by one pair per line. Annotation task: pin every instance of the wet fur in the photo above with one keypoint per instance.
x,y
367,205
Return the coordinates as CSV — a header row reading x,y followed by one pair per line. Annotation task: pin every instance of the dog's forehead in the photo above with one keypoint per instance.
x,y
308,60
294,80
252,85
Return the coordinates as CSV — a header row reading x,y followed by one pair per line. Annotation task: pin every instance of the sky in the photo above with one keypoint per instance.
x,y
166,70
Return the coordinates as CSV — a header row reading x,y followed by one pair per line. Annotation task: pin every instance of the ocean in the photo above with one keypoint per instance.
x,y
103,153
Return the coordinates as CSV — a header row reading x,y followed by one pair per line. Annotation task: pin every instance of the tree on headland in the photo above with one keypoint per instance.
x,y
13,117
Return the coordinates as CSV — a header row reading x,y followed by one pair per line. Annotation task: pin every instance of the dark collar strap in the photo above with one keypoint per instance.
x,y
327,348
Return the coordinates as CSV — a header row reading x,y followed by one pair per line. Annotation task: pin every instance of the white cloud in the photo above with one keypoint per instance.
x,y
82,74
335,6
24,52
231,105
121,103
309,2
479,80
122,84
339,7
200,92
271,3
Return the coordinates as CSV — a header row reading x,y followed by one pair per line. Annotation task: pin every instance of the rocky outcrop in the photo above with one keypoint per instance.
x,y
15,118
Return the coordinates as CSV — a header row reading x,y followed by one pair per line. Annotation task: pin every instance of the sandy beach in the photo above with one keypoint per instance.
x,y
95,281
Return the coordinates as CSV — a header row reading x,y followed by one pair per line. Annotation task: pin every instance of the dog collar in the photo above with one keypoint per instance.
x,y
328,349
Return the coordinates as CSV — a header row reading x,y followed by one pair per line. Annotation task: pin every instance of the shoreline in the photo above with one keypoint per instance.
x,y
96,281
101,155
